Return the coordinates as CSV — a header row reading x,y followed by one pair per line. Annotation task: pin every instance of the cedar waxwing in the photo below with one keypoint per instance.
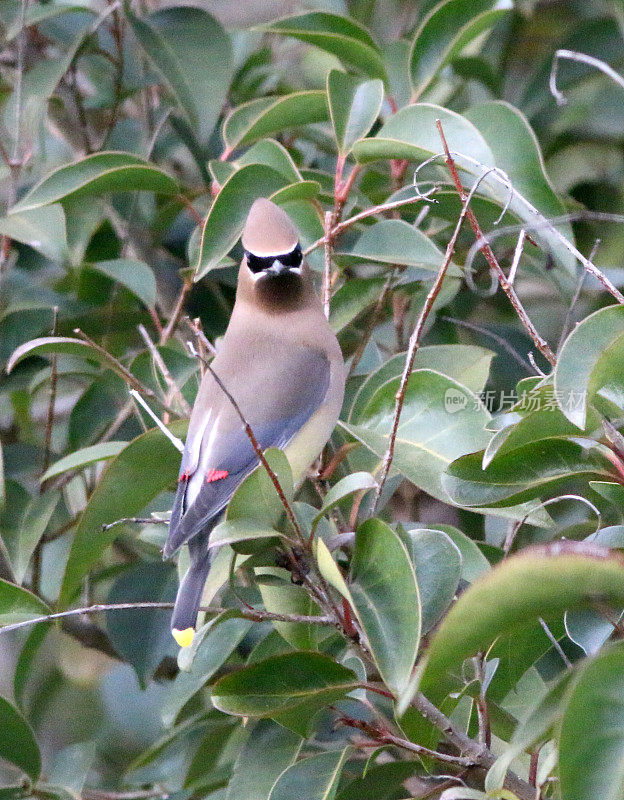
x,y
282,363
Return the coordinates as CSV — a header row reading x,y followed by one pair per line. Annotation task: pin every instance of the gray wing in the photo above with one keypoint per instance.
x,y
237,456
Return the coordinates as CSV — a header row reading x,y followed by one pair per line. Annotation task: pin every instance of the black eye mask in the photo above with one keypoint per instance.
x,y
259,263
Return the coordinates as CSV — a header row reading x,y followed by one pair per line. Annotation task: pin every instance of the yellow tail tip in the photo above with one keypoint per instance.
x,y
184,638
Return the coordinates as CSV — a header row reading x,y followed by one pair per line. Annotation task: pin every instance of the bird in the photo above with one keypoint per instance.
x,y
282,363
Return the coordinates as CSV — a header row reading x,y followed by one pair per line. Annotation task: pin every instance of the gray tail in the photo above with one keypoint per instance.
x,y
189,594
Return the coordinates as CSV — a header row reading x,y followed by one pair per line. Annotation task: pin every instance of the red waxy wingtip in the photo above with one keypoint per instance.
x,y
216,475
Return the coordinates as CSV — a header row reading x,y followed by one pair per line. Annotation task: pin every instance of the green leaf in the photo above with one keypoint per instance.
x,y
282,597
212,645
591,740
589,361
354,105
43,229
24,666
394,241
65,345
464,363
330,570
268,751
437,563
271,154
226,218
143,637
95,175
411,133
341,36
268,115
32,526
474,563
356,482
17,741
19,605
524,473
380,781
39,13
143,469
71,766
136,276
315,777
305,680
446,31
542,582
386,601
350,299
433,431
193,53
235,532
83,458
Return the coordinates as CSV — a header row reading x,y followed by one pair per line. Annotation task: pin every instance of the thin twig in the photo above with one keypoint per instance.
x,y
158,360
575,298
516,257
471,326
414,344
555,643
255,615
329,220
580,58
368,212
135,521
540,343
372,322
177,312
177,443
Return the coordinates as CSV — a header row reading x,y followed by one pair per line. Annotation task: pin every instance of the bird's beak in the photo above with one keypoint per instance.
x,y
277,268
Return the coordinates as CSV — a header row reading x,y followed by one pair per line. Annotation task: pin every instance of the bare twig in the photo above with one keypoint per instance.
x,y
177,443
471,326
255,615
540,343
368,212
575,298
329,220
555,643
177,312
516,257
372,322
414,344
580,58
135,521
158,360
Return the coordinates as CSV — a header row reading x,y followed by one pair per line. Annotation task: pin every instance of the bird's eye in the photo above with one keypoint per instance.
x,y
292,259
258,263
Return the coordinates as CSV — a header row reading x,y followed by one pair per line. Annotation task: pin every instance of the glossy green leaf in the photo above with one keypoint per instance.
x,y
283,597
592,347
351,299
39,13
315,777
441,419
412,133
356,482
268,751
437,562
524,473
226,218
446,31
305,680
146,467
98,174
473,562
380,781
71,766
193,53
268,115
64,345
394,241
212,646
19,605
235,532
32,526
464,363
330,570
136,276
43,229
271,154
341,36
544,581
591,740
83,458
17,741
386,601
143,637
354,105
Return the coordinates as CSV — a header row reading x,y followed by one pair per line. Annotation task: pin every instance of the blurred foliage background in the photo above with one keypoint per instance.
x,y
469,583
